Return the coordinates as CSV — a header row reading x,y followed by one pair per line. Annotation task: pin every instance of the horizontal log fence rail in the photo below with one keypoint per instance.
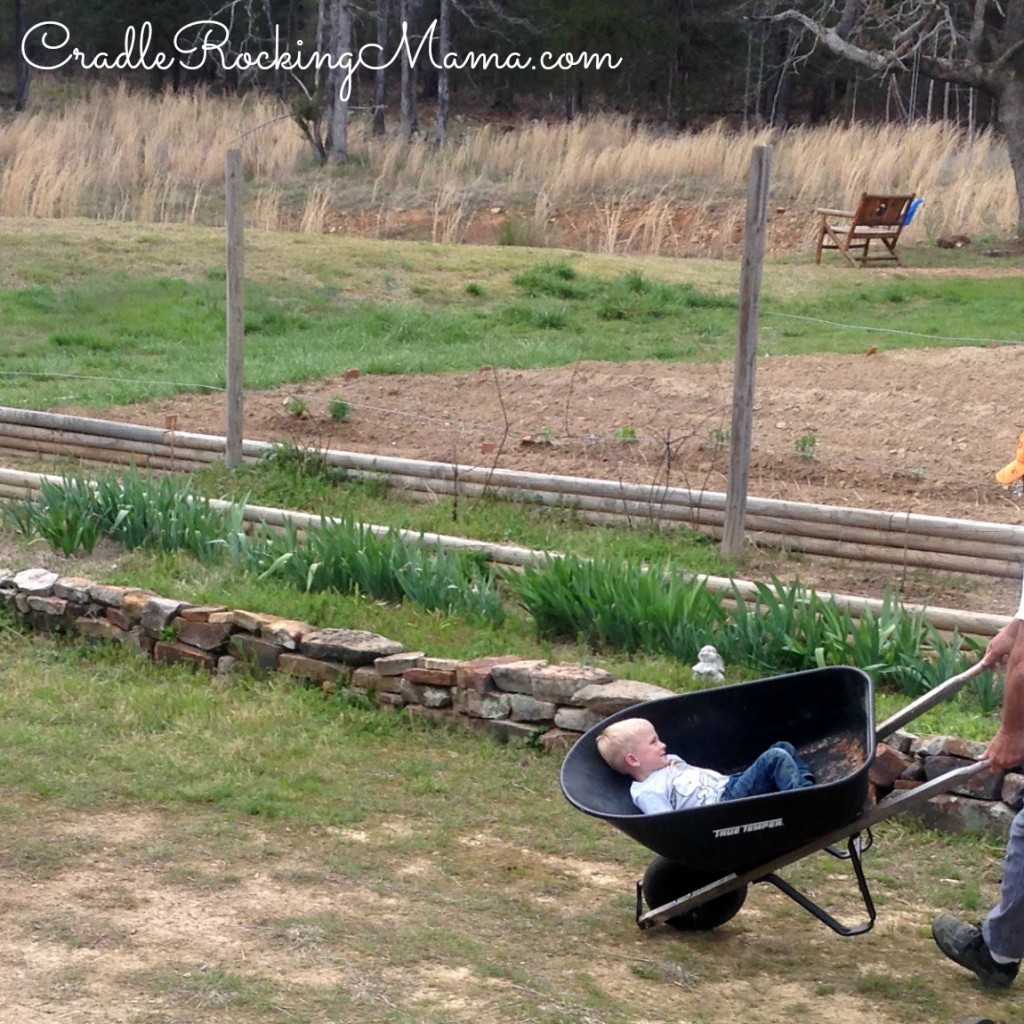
x,y
21,484
905,539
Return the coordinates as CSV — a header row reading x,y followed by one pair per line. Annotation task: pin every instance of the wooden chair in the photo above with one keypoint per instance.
x,y
876,219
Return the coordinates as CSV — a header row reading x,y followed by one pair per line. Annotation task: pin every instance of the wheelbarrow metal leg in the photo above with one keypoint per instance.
x,y
853,855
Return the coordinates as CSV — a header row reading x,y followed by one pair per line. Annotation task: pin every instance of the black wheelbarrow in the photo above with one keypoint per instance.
x,y
708,856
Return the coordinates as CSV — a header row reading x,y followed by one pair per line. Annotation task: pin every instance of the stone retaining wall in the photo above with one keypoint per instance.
x,y
515,699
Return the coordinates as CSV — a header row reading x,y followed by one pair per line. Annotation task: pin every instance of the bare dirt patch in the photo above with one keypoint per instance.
x,y
918,431
125,916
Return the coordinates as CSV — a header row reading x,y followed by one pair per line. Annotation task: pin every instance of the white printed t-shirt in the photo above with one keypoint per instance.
x,y
678,786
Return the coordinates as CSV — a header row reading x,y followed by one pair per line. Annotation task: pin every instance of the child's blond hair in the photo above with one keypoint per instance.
x,y
615,741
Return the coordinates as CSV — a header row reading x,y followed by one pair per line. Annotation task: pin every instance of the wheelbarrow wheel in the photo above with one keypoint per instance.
x,y
667,880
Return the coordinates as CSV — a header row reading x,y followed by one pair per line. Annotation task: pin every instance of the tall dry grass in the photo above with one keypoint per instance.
x,y
122,154
138,156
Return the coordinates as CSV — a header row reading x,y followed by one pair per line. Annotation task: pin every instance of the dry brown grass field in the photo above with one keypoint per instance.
x,y
603,183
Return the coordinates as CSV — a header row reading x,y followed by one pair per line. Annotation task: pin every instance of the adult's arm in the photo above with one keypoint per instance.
x,y
1002,644
1007,747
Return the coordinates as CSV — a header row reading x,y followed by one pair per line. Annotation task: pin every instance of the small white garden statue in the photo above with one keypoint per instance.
x,y
710,667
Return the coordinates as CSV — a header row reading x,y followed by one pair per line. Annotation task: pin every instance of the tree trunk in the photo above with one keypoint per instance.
x,y
444,28
574,102
380,81
280,76
1011,124
22,71
341,42
410,121
323,31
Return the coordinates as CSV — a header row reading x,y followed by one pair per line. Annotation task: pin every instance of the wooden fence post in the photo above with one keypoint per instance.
x,y
235,255
746,353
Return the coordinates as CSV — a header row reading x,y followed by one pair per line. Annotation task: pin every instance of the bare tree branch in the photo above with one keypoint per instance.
x,y
877,61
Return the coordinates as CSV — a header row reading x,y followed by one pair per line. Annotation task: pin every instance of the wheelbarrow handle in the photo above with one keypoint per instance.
x,y
936,695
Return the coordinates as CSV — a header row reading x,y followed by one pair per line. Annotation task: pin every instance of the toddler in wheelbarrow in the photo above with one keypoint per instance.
x,y
665,782
713,835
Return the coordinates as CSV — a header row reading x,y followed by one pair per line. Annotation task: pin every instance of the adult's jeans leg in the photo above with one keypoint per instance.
x,y
1004,927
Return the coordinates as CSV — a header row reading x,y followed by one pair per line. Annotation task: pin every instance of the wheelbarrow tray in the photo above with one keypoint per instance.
x,y
827,714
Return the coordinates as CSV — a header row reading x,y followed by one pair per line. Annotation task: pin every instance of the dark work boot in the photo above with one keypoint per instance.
x,y
965,945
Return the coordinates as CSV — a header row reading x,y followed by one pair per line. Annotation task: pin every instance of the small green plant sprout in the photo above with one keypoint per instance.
x,y
626,435
804,445
296,406
719,438
476,290
339,409
544,436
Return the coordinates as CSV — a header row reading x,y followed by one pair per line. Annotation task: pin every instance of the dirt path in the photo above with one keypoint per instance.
x,y
124,916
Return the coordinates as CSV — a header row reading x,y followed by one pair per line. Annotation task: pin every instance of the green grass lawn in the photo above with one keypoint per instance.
x,y
94,313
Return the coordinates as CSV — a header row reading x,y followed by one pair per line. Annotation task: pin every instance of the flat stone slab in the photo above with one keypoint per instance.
x,y
430,676
607,698
202,612
576,719
349,646
396,664
950,813
46,605
310,668
476,674
529,709
109,594
1012,792
982,785
207,636
254,651
515,676
286,632
560,683
951,746
73,588
174,653
35,581
159,612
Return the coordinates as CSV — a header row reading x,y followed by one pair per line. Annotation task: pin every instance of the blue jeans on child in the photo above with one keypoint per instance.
x,y
779,767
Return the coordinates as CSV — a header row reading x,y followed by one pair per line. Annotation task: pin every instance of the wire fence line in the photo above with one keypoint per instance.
x,y
53,375
196,386
893,330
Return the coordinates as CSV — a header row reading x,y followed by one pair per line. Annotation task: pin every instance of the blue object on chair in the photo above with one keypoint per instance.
x,y
911,210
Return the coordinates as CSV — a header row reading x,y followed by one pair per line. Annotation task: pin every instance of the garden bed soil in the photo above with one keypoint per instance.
x,y
919,431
